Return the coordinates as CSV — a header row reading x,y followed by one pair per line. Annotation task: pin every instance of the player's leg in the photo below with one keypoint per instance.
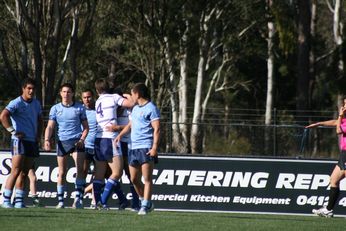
x,y
135,203
147,173
113,183
88,188
17,166
62,165
79,159
336,176
20,183
135,172
33,187
98,181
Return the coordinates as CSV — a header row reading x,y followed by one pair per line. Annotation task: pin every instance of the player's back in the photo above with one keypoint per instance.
x,y
106,107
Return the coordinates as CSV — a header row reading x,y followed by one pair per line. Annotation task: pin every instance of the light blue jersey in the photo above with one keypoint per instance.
x,y
24,117
90,139
141,129
123,119
68,119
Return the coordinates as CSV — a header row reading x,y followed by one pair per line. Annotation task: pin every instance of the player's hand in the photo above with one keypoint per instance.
x,y
109,128
47,145
312,125
152,152
113,128
342,110
19,135
116,140
80,144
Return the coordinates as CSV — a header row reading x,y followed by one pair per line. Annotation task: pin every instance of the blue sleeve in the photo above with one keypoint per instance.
x,y
155,113
12,106
52,113
39,108
83,114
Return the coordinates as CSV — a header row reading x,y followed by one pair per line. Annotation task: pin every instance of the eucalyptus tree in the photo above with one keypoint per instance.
x,y
44,32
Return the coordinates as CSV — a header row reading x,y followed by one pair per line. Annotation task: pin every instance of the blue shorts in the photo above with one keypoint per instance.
x,y
138,157
105,149
25,148
67,147
89,154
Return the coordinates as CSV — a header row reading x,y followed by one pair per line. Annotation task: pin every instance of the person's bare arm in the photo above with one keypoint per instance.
x,y
339,120
80,143
156,137
128,102
6,122
125,130
327,123
48,135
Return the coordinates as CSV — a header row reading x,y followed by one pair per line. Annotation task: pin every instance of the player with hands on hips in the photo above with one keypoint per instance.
x,y
70,119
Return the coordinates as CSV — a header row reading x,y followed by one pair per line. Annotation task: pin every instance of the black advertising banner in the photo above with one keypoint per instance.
x,y
289,186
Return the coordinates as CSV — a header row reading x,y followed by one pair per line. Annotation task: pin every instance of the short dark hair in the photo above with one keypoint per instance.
x,y
142,90
88,90
118,91
102,86
28,81
69,85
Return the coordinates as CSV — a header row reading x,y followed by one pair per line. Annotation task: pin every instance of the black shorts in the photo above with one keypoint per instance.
x,y
124,148
89,154
342,160
25,148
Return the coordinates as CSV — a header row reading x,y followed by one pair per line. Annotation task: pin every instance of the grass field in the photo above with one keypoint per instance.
x,y
50,219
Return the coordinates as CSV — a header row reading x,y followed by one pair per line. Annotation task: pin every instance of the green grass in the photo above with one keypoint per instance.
x,y
49,219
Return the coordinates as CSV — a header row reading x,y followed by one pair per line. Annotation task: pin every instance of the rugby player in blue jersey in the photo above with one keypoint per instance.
x,y
89,104
22,117
72,126
145,132
125,144
105,152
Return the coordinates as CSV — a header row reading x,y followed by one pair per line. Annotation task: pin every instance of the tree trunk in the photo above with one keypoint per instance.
x,y
270,79
314,136
196,135
338,36
303,64
182,90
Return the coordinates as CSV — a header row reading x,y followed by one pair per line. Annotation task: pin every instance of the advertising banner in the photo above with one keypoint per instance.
x,y
190,183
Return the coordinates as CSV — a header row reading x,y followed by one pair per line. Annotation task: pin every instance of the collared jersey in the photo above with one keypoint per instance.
x,y
141,129
106,114
24,116
69,120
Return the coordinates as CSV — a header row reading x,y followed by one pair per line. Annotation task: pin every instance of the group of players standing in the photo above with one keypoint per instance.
x,y
118,132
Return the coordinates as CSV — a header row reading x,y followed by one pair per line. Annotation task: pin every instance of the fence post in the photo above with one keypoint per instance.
x,y
274,132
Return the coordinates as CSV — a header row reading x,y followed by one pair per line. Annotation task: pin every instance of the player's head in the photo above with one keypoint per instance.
x,y
102,86
88,98
140,91
67,92
28,88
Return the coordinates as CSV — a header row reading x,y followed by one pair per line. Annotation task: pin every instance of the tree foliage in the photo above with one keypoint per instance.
x,y
194,56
